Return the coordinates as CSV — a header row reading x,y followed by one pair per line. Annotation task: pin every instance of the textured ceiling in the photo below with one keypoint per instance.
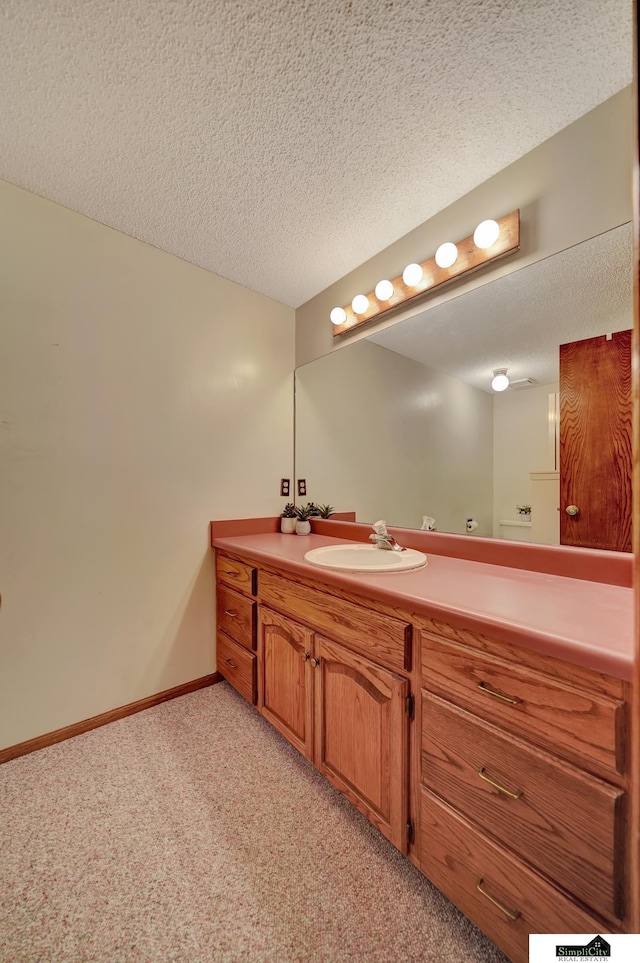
x,y
281,144
518,321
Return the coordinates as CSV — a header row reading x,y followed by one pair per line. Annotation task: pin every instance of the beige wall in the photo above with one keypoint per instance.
x,y
391,438
521,445
575,185
140,396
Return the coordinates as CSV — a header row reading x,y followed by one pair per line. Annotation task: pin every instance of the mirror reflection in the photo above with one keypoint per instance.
x,y
404,424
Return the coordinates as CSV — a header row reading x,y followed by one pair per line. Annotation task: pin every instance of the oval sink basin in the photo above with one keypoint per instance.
x,y
365,558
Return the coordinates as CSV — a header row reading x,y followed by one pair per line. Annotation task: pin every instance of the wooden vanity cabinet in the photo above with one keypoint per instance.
x,y
343,712
236,620
500,772
558,819
332,678
504,897
523,768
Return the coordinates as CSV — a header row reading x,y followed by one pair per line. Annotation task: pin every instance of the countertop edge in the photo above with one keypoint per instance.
x,y
590,565
561,647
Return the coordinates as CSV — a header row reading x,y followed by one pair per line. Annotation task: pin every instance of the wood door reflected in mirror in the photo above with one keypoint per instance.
x,y
404,423
595,442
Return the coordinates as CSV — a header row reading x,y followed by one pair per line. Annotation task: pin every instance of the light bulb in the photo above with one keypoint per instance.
x,y
384,290
486,234
338,316
500,380
360,303
446,255
412,275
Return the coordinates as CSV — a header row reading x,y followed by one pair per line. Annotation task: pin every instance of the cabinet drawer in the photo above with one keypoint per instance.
x,y
237,666
236,616
512,900
565,823
376,636
582,726
237,574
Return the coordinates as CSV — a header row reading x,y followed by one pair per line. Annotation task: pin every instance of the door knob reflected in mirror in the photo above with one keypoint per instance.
x,y
572,509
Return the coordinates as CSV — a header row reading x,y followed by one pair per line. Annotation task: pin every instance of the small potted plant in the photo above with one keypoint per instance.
x,y
524,511
303,514
288,519
325,511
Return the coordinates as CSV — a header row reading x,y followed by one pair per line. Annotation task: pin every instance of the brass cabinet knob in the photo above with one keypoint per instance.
x,y
572,509
315,662
306,656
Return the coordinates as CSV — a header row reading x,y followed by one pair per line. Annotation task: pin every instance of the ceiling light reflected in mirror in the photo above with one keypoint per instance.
x,y
500,380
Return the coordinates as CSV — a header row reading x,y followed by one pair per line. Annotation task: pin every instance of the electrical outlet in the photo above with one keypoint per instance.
x,y
285,487
302,486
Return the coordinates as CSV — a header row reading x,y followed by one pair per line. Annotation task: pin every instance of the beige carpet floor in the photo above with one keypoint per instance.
x,y
193,832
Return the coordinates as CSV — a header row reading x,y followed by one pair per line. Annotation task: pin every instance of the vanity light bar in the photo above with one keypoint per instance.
x,y
428,275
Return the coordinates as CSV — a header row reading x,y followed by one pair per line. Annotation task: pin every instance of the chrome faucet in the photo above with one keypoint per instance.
x,y
383,539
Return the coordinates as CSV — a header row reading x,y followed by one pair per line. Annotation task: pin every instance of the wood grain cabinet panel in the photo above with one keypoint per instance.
x,y
502,895
361,735
237,616
477,644
237,666
285,686
563,822
236,574
582,726
376,636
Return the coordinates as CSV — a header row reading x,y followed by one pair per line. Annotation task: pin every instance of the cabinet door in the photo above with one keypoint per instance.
x,y
361,736
285,694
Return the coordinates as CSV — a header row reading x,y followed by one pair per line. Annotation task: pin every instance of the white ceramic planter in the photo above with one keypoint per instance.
x,y
303,528
288,525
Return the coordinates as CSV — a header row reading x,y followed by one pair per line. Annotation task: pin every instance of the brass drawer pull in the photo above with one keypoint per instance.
x,y
510,914
231,613
512,700
231,663
496,785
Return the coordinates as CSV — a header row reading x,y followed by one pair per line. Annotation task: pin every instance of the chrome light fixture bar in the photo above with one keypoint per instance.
x,y
490,241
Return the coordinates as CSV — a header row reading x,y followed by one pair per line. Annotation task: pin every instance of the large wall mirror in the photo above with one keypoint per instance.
x,y
404,424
